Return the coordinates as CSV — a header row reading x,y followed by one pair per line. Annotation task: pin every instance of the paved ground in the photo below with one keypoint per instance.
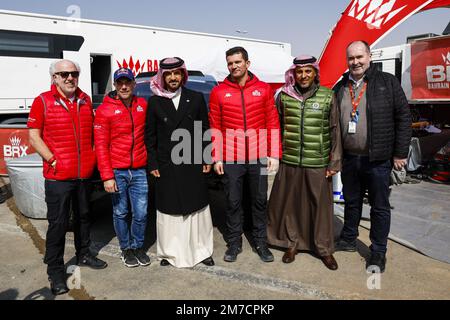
x,y
409,275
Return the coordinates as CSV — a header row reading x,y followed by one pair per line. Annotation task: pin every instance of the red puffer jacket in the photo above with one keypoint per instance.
x,y
250,109
68,138
119,135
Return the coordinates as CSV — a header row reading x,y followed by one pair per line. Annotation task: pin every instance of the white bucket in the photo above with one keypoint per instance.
x,y
338,196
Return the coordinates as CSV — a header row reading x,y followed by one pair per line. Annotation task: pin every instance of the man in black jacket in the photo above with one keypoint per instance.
x,y
376,132
177,122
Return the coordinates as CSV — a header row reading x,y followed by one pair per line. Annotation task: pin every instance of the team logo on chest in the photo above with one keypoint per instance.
x,y
256,93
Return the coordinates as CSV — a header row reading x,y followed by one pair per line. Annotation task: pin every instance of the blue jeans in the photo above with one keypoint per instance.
x,y
358,175
133,191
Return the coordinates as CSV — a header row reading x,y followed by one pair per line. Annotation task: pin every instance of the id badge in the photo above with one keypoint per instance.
x,y
352,127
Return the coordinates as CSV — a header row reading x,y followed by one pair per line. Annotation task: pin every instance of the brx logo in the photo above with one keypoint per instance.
x,y
438,76
14,149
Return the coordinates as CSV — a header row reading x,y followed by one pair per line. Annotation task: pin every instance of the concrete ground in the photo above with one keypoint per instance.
x,y
409,275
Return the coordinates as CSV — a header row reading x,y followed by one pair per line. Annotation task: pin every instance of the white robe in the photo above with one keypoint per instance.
x,y
184,241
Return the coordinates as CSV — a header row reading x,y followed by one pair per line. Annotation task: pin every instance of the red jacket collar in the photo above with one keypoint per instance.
x,y
112,98
252,79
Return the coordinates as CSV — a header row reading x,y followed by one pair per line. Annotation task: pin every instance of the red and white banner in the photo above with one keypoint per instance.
x,y
437,4
430,69
368,20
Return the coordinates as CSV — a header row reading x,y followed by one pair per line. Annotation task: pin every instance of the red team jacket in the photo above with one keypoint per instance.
x,y
246,109
119,135
67,131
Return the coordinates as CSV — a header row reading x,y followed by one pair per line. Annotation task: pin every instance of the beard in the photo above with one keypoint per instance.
x,y
173,86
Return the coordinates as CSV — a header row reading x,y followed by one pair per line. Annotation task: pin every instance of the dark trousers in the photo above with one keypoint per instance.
x,y
358,175
60,196
233,182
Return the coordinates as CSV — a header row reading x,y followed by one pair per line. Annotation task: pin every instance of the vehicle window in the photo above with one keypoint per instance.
x,y
143,90
204,87
37,45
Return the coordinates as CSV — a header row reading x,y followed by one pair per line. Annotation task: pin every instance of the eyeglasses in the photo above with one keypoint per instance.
x,y
65,74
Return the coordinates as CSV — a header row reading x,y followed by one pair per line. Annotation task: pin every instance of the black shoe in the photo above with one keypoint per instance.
x,y
58,286
141,257
129,259
231,253
264,253
376,263
164,263
89,260
3,195
208,262
342,245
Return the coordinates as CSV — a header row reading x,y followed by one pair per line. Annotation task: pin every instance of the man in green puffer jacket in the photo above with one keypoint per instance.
x,y
301,201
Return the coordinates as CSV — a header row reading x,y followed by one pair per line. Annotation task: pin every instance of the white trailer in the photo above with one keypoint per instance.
x,y
30,42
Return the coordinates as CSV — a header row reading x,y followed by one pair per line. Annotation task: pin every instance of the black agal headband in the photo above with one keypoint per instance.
x,y
171,63
305,61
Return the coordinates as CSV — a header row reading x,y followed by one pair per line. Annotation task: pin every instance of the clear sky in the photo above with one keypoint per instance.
x,y
303,24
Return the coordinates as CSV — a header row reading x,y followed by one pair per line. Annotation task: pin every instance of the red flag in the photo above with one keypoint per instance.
x,y
368,20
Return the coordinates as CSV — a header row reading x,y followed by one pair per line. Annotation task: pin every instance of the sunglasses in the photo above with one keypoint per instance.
x,y
65,74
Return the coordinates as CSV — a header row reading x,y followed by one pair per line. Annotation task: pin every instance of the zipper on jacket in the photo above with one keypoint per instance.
x,y
369,127
132,132
75,133
302,108
78,141
245,124
302,142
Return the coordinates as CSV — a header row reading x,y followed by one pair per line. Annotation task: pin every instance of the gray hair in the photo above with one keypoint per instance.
x,y
52,68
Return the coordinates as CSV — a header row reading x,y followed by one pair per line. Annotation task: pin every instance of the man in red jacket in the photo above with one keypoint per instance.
x,y
246,142
60,123
122,159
